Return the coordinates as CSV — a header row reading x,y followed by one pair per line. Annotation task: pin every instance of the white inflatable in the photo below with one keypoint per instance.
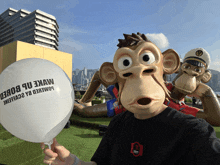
x,y
36,99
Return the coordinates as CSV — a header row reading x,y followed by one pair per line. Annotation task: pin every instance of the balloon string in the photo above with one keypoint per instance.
x,y
50,149
49,145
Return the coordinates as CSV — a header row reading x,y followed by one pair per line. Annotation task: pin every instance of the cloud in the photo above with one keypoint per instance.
x,y
69,45
215,65
158,39
65,29
215,62
213,50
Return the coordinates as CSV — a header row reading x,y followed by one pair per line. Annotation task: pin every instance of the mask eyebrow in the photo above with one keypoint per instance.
x,y
145,50
121,55
123,52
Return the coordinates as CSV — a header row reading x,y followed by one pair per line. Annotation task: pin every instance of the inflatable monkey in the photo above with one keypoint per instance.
x,y
191,81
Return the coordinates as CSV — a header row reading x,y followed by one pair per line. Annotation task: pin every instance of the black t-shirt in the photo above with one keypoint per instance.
x,y
171,137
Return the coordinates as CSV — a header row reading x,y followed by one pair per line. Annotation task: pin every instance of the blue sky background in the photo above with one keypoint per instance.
x,y
90,29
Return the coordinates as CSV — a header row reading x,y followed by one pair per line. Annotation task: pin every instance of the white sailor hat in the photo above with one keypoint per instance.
x,y
198,57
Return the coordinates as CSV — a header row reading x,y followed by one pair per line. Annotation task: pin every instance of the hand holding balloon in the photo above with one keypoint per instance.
x,y
58,154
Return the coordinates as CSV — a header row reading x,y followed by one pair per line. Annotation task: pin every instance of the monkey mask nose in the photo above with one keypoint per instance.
x,y
144,101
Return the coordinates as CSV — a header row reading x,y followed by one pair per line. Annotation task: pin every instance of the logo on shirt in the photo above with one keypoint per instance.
x,y
136,149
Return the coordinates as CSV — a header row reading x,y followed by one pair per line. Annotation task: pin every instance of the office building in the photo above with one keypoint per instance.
x,y
37,27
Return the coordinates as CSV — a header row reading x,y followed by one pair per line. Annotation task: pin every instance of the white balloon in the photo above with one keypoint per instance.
x,y
36,99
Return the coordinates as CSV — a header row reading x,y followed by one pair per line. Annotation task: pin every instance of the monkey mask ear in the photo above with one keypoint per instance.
x,y
171,61
108,73
206,77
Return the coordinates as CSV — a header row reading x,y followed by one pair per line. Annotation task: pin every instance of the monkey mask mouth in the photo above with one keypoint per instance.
x,y
144,101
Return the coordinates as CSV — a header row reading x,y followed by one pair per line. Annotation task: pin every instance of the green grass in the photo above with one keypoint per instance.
x,y
217,130
80,141
101,121
188,100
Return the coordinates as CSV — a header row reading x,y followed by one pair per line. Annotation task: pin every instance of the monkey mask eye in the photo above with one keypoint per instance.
x,y
186,67
198,70
147,58
124,62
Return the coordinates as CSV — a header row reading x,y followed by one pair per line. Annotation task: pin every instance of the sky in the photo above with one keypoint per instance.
x,y
90,29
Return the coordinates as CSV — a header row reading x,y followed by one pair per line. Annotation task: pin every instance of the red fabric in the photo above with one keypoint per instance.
x,y
119,109
115,91
182,108
169,86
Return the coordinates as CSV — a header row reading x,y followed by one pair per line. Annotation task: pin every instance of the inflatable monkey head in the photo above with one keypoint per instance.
x,y
193,71
137,69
